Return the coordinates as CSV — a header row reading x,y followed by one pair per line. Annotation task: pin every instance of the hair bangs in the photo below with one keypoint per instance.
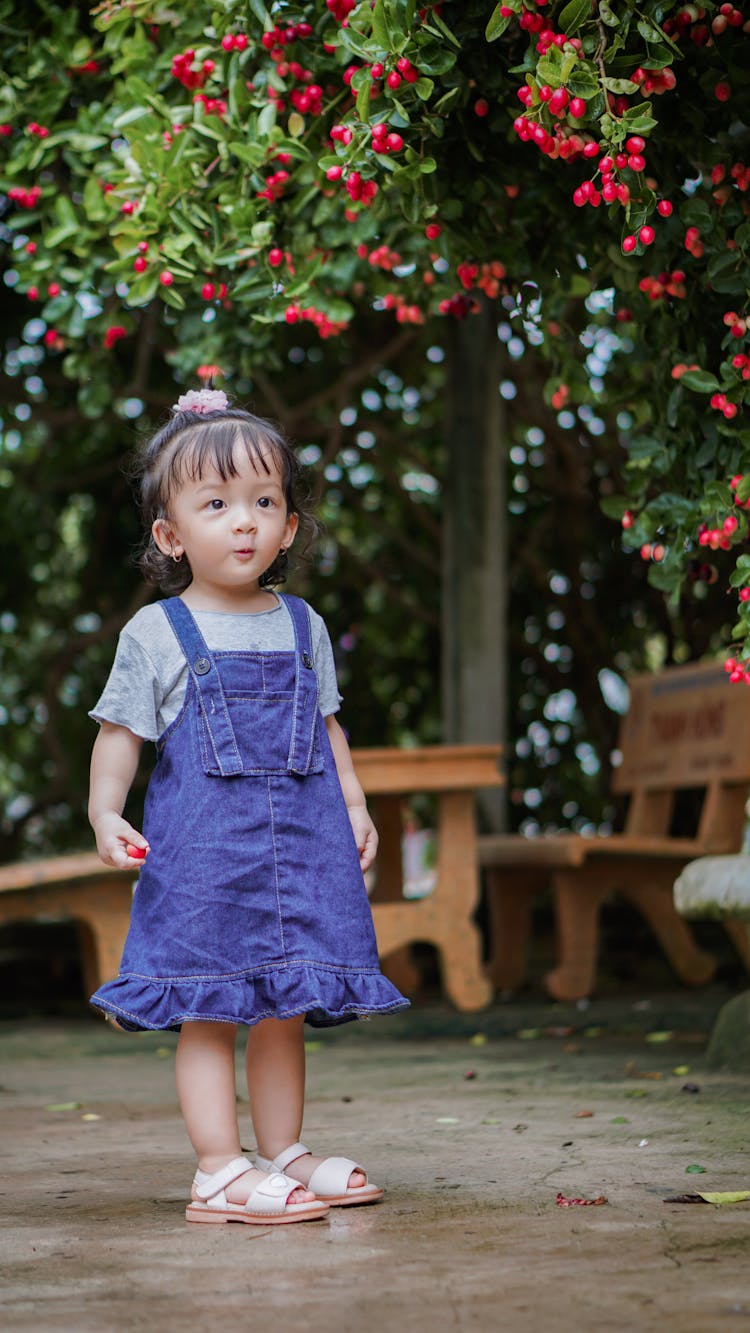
x,y
208,445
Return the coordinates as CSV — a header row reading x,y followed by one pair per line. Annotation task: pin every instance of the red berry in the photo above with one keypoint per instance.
x,y
394,80
722,92
140,264
241,41
275,257
635,144
664,208
558,101
577,108
636,162
481,107
628,244
228,42
208,290
377,70
166,278
395,143
54,289
627,519
646,235
432,231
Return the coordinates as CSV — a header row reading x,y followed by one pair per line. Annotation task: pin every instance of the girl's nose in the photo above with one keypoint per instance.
x,y
244,519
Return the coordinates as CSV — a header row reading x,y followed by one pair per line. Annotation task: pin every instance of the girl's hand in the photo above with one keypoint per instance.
x,y
113,837
365,835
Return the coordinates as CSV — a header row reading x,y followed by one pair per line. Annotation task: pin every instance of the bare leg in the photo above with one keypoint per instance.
x,y
206,1088
276,1085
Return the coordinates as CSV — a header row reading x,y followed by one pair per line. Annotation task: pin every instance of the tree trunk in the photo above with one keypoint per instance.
x,y
474,592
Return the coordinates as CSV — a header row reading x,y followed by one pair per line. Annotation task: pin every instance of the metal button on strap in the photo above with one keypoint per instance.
x,y
307,661
201,665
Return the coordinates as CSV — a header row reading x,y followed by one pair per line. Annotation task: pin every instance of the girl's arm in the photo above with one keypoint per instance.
x,y
365,832
114,762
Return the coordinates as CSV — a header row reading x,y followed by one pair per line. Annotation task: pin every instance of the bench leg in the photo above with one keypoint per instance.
x,y
461,967
509,910
656,905
396,966
577,917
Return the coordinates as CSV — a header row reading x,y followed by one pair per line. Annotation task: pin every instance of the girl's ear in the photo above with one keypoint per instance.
x,y
166,538
290,531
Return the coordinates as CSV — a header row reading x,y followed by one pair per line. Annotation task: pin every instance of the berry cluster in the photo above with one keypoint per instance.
x,y
277,38
458,306
274,186
693,242
666,285
40,131
736,671
718,539
739,173
721,403
327,328
405,314
235,41
213,106
653,551
380,257
341,9
737,324
742,363
385,142
182,69
25,198
113,335
656,81
211,291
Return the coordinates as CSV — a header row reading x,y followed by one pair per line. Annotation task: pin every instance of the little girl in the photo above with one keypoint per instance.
x,y
250,906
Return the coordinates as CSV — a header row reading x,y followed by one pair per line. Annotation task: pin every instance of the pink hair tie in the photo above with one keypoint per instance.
x,y
202,401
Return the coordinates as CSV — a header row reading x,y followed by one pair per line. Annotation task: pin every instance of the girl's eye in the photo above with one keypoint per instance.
x,y
216,503
265,502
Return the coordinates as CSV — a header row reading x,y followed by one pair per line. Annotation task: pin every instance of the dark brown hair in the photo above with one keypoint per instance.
x,y
188,444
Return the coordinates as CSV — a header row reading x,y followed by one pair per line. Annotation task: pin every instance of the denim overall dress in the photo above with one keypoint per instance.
x,y
251,902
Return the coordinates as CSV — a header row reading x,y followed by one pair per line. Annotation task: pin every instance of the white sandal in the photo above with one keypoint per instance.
x,y
329,1180
266,1206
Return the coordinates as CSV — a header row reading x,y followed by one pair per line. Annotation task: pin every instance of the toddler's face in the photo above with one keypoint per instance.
x,y
230,530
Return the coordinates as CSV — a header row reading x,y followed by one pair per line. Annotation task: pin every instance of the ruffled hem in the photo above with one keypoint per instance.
x,y
326,996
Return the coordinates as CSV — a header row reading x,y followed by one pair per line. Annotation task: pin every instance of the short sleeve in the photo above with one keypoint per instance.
x,y
329,699
132,695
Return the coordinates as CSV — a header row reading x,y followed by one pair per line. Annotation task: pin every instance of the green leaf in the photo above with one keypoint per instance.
x,y
128,117
363,98
700,381
267,120
424,89
497,24
573,15
607,15
620,86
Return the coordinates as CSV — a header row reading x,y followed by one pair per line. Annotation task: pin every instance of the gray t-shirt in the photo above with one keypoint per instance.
x,y
147,684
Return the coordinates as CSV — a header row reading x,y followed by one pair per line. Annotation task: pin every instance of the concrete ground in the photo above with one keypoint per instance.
x,y
473,1122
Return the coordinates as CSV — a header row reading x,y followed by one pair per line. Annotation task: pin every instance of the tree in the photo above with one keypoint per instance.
x,y
275,185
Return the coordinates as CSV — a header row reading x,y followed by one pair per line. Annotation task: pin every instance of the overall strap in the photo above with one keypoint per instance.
x,y
305,707
208,685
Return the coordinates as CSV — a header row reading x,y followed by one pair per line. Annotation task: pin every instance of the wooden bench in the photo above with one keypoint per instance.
x,y
687,728
97,899
77,888
445,918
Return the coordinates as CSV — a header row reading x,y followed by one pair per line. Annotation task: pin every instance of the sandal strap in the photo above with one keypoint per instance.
x,y
270,1197
290,1154
207,1186
331,1178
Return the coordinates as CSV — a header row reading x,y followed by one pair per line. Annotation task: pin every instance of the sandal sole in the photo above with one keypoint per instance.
x,y
217,1216
353,1200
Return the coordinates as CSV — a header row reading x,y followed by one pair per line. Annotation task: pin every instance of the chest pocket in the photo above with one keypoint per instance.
x,y
259,690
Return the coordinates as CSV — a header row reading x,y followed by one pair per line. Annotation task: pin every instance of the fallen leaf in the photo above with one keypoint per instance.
x,y
64,1106
725,1196
470,1073
643,1143
479,1039
632,1072
518,1129
681,1070
491,1120
313,1045
90,1116
657,1038
593,1032
563,1201
695,1170
162,1052
529,1034
572,1047
619,1120
684,1198
559,1032
584,1115
446,1120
